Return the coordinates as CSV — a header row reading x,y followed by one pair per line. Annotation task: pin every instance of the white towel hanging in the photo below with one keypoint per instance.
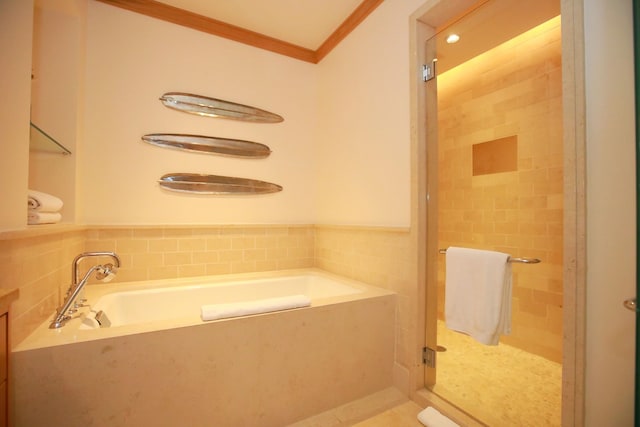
x,y
478,293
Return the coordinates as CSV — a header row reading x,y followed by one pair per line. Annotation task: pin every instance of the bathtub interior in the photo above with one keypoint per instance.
x,y
175,302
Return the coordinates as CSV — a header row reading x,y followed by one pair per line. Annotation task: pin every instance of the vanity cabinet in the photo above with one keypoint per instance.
x,y
7,296
4,370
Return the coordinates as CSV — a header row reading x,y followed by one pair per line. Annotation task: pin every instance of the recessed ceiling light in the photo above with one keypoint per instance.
x,y
453,38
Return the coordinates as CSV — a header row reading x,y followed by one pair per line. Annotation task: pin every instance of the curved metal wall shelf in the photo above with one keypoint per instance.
x,y
215,184
208,144
212,107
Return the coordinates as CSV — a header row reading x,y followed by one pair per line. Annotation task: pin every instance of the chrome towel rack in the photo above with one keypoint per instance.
x,y
511,259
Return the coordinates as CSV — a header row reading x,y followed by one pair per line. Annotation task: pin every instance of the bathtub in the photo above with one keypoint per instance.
x,y
163,303
159,363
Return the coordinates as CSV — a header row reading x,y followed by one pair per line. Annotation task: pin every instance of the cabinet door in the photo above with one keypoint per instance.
x,y
3,347
3,405
3,371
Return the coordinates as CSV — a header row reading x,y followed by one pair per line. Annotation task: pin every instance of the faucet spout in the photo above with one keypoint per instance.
x,y
105,272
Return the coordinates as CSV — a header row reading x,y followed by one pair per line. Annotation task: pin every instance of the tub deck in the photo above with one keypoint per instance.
x,y
168,316
269,370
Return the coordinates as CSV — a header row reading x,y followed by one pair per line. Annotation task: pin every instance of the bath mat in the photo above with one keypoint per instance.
x,y
431,417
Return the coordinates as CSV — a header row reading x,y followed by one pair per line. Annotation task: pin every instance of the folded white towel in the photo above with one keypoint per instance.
x,y
35,217
222,311
478,293
431,417
43,202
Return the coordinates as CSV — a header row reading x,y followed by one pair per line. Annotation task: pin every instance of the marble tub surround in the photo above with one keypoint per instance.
x,y
74,331
384,257
271,369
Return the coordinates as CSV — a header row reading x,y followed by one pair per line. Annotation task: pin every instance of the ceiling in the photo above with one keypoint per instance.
x,y
486,27
303,29
309,29
305,23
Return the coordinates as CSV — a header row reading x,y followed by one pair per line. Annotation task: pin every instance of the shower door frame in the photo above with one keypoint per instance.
x,y
434,14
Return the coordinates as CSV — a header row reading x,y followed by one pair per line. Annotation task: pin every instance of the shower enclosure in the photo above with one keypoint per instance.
x,y
498,185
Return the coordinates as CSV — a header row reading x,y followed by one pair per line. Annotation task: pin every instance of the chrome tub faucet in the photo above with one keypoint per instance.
x,y
104,272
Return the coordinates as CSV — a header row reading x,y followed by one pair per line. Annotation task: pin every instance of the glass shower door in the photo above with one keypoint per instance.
x,y
634,305
498,145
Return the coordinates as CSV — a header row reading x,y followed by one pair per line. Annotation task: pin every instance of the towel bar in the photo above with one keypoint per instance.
x,y
520,260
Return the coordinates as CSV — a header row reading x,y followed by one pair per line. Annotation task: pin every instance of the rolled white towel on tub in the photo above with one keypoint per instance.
x,y
43,202
245,308
35,217
431,417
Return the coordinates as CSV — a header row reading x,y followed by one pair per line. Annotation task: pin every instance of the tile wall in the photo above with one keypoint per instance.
x,y
496,95
381,257
170,252
39,263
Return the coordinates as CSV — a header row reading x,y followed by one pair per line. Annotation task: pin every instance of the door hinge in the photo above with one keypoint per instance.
x,y
429,357
429,71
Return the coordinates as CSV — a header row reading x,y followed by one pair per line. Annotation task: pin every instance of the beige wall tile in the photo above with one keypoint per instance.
x,y
518,212
382,257
40,267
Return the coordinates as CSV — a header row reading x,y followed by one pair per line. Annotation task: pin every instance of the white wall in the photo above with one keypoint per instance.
x,y
131,61
16,28
55,94
363,174
342,154
610,212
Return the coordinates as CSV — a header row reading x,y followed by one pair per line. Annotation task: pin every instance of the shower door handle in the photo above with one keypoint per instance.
x,y
631,304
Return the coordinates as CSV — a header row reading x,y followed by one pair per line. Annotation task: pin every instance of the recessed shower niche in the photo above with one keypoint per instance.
x,y
498,155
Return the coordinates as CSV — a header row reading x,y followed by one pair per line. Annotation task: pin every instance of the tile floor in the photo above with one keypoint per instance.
x,y
402,415
387,408
500,385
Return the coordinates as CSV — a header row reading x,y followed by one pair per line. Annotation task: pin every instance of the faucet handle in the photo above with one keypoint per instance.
x,y
79,303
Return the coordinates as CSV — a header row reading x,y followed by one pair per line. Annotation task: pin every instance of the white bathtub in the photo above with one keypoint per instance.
x,y
163,303
160,364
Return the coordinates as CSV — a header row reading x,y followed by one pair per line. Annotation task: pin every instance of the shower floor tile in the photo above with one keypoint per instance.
x,y
500,385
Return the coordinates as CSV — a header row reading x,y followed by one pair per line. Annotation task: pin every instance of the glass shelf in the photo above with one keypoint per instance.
x,y
39,140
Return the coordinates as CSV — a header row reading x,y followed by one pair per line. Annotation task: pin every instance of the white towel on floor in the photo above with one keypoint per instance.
x,y
478,293
222,311
35,217
431,417
43,202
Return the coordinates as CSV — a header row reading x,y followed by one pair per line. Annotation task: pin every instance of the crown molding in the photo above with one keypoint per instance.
x,y
165,12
